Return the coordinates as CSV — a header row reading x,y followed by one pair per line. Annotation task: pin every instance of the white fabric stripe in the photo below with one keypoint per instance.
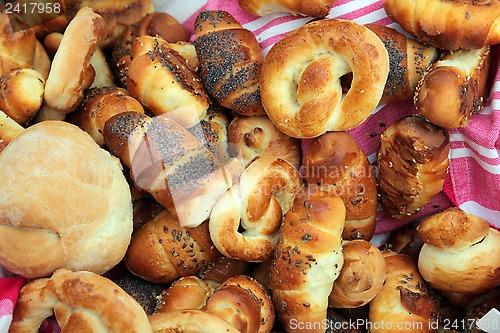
x,y
465,152
486,152
472,207
281,28
349,7
5,323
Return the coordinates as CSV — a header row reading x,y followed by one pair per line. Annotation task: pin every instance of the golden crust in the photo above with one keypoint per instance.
x,y
189,321
187,292
314,8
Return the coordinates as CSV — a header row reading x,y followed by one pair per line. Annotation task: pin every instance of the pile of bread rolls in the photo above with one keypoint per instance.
x,y
154,182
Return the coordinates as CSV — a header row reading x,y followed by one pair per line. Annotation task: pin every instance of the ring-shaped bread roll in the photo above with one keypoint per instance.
x,y
300,86
189,321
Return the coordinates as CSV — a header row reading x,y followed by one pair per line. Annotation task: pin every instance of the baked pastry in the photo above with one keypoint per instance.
x,y
308,259
454,87
245,222
304,68
460,252
189,321
405,240
187,292
72,203
162,251
336,163
230,61
81,301
223,268
403,300
9,130
448,25
315,8
412,165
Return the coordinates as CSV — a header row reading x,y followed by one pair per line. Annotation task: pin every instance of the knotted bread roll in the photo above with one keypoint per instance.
x,y
315,8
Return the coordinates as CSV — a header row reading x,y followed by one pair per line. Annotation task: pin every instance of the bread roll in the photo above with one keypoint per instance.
x,y
304,69
64,203
315,8
308,259
460,252
189,321
412,165
187,292
9,130
223,268
454,87
405,240
230,62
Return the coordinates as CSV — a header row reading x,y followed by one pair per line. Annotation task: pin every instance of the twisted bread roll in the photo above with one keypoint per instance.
x,y
81,301
308,259
409,59
265,193
362,275
256,137
244,303
413,163
315,8
335,162
304,68
230,62
403,304
9,130
460,252
454,88
187,292
448,25
189,321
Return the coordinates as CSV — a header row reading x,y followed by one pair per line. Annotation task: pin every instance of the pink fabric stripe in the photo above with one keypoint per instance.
x,y
463,144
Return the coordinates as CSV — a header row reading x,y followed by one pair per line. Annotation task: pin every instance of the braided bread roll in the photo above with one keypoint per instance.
x,y
230,62
315,8
187,292
81,301
448,25
308,259
9,130
189,321
460,252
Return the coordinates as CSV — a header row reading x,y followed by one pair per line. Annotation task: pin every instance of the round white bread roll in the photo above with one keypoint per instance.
x,y
64,203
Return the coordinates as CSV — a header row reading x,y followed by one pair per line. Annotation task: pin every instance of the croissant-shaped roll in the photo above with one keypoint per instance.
x,y
257,205
244,303
187,292
315,8
9,129
412,165
362,275
230,62
448,25
308,260
191,320
461,252
335,162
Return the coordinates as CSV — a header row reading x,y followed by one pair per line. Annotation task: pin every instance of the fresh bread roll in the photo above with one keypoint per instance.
x,y
412,165
187,292
189,321
162,251
100,104
9,130
244,303
460,252
315,8
17,48
308,259
144,210
405,240
256,137
230,62
408,61
448,25
81,301
64,207
304,68
404,303
362,275
56,24
454,87
245,222
223,268
144,292
335,162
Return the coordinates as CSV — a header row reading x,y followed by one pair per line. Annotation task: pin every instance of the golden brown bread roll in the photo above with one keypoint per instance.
x,y
362,275
44,186
409,59
244,303
246,220
187,292
315,8
335,162
404,303
223,268
256,137
304,68
81,301
9,130
454,87
412,165
308,259
189,321
162,250
448,25
230,62
460,252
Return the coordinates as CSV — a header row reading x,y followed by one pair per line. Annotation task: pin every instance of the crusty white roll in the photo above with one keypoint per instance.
x,y
9,130
448,25
461,252
362,275
189,321
454,88
308,260
187,292
64,203
304,68
81,302
245,222
315,8
404,303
